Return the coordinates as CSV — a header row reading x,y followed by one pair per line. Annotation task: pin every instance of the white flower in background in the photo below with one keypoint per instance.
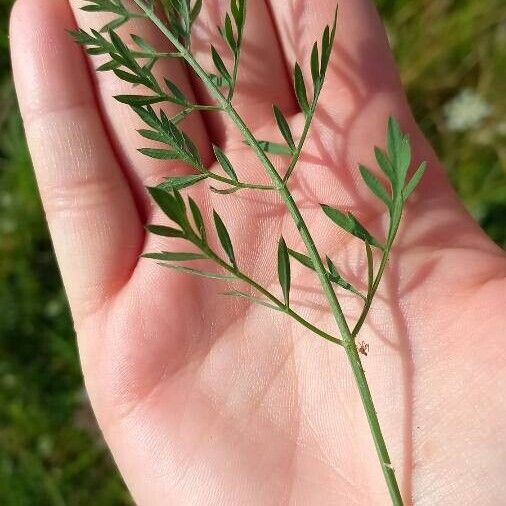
x,y
465,111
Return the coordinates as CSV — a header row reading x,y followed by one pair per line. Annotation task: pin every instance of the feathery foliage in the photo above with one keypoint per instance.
x,y
135,66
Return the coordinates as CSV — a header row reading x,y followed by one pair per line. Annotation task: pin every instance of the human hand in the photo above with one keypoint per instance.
x,y
204,400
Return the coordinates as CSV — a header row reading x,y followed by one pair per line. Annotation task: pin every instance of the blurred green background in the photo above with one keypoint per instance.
x,y
452,56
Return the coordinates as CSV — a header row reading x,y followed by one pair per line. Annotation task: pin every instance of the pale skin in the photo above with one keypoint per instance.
x,y
207,400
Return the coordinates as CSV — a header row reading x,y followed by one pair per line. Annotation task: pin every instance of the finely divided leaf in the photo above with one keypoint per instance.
x,y
399,150
165,231
228,34
274,148
284,270
284,128
169,205
160,154
197,218
339,280
224,162
375,185
413,182
334,276
385,165
220,66
195,11
303,259
327,44
315,66
180,182
139,100
349,223
177,95
300,90
224,238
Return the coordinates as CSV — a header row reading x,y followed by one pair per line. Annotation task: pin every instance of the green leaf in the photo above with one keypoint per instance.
x,y
375,185
339,280
177,94
238,8
284,128
120,46
301,258
349,223
333,274
327,44
274,148
152,135
197,272
315,66
168,205
160,154
220,66
284,270
139,100
300,90
106,67
169,256
197,218
413,182
224,238
255,300
228,34
165,231
385,165
145,46
180,182
224,162
195,11
129,77
399,150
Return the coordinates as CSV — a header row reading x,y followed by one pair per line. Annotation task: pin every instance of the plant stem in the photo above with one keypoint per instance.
x,y
371,292
259,288
346,334
372,419
302,140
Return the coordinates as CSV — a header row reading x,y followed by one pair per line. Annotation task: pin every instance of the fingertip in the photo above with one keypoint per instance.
x,y
47,65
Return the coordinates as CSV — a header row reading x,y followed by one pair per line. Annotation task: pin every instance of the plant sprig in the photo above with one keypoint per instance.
x,y
191,228
136,67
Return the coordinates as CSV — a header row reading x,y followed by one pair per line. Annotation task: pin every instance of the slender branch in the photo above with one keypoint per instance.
x,y
346,334
302,140
263,291
373,288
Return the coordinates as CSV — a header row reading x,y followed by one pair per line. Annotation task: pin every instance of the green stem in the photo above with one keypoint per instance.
x,y
302,140
372,419
237,58
268,295
346,334
373,287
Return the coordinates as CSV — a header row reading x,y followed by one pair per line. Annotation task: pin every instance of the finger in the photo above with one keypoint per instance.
x,y
122,122
85,196
262,79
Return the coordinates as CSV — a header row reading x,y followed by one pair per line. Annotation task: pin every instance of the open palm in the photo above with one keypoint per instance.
x,y
208,400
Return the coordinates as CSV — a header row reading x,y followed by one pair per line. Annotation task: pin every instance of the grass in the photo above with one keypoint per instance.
x,y
50,452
